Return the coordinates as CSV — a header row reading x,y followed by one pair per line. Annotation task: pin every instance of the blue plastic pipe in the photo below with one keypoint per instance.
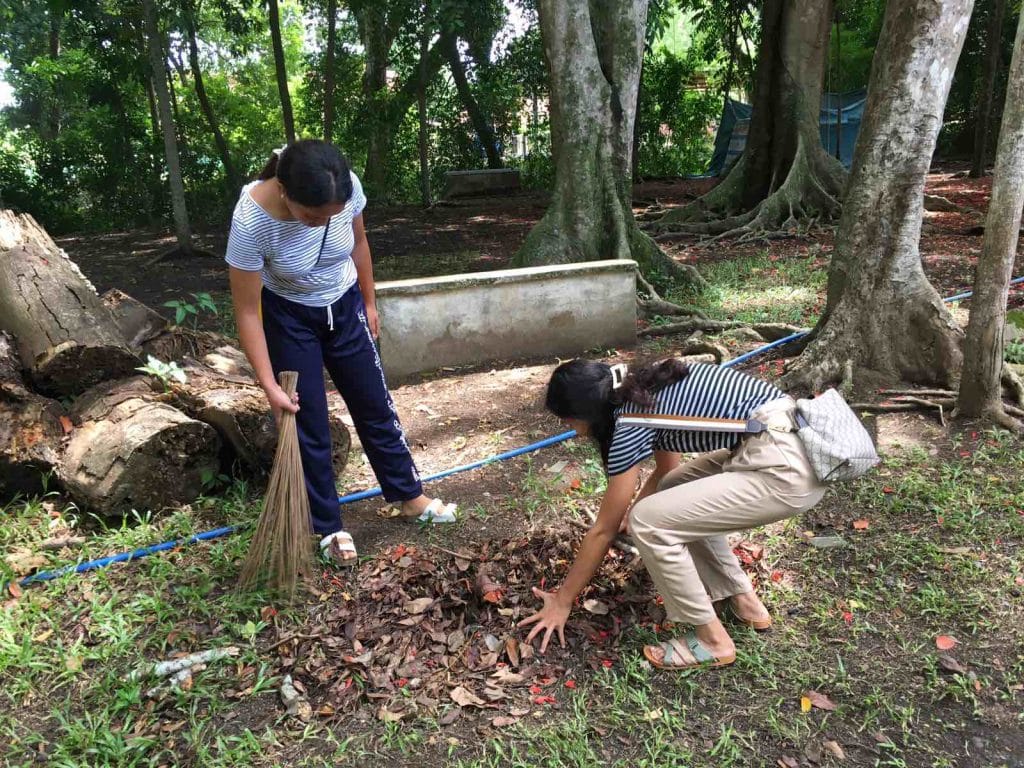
x,y
137,554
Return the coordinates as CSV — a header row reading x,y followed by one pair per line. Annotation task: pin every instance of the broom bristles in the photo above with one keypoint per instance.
x,y
281,550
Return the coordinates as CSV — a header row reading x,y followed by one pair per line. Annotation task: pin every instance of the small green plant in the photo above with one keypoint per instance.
x,y
166,372
1014,352
184,310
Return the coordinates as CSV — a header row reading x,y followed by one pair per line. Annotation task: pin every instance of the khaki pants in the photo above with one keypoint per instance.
x,y
680,530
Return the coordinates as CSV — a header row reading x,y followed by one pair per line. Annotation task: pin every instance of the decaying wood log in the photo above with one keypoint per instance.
x,y
137,322
237,408
30,429
67,339
130,450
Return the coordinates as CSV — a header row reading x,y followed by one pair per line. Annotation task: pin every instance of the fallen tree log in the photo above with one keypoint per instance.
x,y
30,429
237,408
67,339
137,322
130,450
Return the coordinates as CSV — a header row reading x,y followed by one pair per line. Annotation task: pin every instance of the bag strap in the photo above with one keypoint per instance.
x,y
701,424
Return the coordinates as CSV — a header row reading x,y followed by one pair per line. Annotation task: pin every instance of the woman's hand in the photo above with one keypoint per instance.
x,y
550,618
373,320
280,402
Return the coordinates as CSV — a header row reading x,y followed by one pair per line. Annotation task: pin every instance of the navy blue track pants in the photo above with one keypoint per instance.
x,y
306,339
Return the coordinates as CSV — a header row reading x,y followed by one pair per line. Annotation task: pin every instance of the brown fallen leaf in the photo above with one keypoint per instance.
x,y
949,664
820,701
486,588
503,721
24,561
596,607
66,424
833,748
945,642
787,762
512,651
419,605
466,698
861,525
450,716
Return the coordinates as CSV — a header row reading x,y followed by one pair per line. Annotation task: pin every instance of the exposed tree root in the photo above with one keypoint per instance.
x,y
767,331
1014,383
654,304
940,204
810,193
1005,416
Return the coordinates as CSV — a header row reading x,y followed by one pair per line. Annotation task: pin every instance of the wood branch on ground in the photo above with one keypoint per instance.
x,y
940,204
30,429
131,450
67,338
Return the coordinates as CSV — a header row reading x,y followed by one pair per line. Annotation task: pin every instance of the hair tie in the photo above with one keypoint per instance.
x,y
618,374
280,150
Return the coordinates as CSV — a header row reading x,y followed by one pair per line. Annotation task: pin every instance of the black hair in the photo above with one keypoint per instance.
x,y
582,389
312,172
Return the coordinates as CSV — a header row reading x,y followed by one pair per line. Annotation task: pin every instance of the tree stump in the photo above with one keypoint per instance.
x,y
130,450
67,338
30,429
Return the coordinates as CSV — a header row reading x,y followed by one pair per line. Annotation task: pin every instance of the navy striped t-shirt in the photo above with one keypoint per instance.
x,y
287,252
709,391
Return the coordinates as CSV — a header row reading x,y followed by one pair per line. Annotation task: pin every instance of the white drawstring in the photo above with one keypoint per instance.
x,y
330,318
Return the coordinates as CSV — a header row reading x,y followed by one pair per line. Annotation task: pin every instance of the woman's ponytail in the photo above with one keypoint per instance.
x,y
640,385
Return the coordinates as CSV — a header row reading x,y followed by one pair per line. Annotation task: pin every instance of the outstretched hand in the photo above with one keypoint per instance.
x,y
549,619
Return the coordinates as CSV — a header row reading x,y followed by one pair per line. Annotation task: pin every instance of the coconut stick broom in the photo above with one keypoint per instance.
x,y
281,550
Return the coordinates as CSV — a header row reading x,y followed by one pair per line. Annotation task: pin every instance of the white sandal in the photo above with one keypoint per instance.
x,y
437,512
334,547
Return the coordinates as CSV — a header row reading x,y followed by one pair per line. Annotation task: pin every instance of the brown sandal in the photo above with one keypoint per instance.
x,y
725,611
674,647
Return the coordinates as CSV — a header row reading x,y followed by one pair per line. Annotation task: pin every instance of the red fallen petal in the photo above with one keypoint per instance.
x,y
535,689
546,681
544,699
848,617
607,663
887,489
570,683
776,576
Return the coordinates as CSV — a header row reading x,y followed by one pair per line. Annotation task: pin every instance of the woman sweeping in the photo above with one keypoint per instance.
x,y
682,513
298,252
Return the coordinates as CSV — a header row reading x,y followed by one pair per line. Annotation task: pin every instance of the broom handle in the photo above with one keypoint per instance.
x,y
289,381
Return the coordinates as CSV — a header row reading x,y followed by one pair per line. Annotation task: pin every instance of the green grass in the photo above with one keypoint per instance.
x,y
942,555
759,289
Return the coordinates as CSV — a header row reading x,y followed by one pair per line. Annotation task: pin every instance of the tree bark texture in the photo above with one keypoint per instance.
x,y
482,126
67,339
158,64
130,451
987,86
30,429
980,385
882,314
784,176
233,179
593,51
424,134
332,36
281,70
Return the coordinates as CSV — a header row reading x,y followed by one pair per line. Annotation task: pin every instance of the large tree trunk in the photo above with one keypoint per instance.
x,y
784,176
130,451
373,30
983,120
882,313
980,385
67,339
158,64
204,100
30,429
482,126
282,71
593,50
424,136
332,34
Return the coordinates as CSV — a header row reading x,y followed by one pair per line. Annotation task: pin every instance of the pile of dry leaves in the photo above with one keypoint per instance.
x,y
421,630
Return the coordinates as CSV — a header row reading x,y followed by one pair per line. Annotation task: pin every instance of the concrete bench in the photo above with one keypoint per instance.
x,y
480,182
459,320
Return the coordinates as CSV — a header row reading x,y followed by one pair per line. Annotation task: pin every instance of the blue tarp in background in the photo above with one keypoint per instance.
x,y
732,129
